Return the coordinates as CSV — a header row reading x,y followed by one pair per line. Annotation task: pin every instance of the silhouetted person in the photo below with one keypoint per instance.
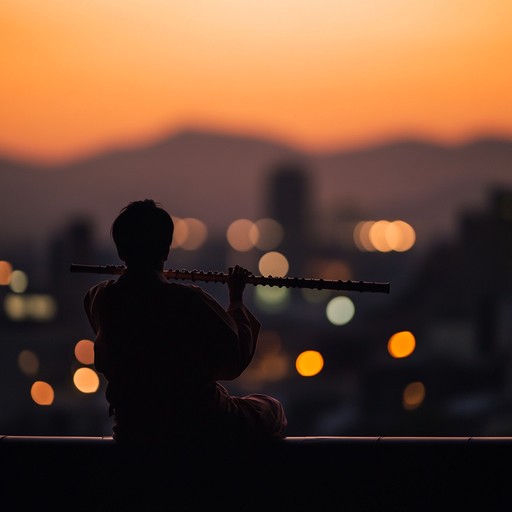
x,y
164,346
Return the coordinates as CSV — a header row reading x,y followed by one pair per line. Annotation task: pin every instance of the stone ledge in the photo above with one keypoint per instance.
x,y
298,473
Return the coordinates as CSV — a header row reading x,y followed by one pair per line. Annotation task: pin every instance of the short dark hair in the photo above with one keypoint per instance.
x,y
142,232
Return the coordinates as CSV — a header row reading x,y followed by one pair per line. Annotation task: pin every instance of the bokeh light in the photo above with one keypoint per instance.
x,y
28,362
181,231
400,236
86,380
34,307
19,281
340,310
41,307
413,395
377,235
362,236
273,264
42,393
239,236
401,344
14,307
84,351
189,233
5,272
309,363
384,236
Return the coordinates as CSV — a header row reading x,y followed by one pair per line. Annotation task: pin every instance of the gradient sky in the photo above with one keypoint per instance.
x,y
77,77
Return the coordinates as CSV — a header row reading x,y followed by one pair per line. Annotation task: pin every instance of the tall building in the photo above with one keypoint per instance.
x,y
289,202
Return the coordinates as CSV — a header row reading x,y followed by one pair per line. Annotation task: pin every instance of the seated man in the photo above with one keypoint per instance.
x,y
164,346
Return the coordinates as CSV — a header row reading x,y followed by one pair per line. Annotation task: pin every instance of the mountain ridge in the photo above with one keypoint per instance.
x,y
218,178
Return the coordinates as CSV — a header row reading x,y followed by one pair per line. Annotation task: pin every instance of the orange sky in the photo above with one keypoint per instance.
x,y
80,76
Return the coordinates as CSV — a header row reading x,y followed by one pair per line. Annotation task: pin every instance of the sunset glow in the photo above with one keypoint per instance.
x,y
80,77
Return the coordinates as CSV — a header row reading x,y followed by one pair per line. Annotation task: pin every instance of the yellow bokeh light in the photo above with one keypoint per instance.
x,y
15,307
19,281
384,236
377,235
180,234
273,264
239,235
86,380
309,363
42,393
413,395
197,233
84,351
5,273
41,307
401,344
400,236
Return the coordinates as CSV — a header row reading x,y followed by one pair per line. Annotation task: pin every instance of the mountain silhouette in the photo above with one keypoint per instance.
x,y
221,177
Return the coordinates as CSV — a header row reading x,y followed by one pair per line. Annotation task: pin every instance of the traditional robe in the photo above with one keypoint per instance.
x,y
163,347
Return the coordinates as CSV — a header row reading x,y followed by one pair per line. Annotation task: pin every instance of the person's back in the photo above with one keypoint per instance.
x,y
163,347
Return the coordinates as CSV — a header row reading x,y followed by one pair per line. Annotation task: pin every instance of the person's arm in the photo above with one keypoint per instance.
x,y
233,332
92,305
247,325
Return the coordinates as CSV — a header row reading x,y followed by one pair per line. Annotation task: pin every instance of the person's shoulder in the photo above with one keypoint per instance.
x,y
101,286
98,291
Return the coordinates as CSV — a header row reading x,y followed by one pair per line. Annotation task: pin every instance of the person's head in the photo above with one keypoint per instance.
x,y
142,233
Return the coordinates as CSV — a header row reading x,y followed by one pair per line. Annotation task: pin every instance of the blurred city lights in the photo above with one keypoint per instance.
x,y
189,233
28,362
181,231
35,307
240,235
14,307
19,281
413,395
84,351
273,264
42,393
5,272
340,310
86,380
400,236
401,344
384,236
309,363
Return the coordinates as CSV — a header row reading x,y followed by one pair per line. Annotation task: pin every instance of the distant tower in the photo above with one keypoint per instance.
x,y
74,244
289,194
